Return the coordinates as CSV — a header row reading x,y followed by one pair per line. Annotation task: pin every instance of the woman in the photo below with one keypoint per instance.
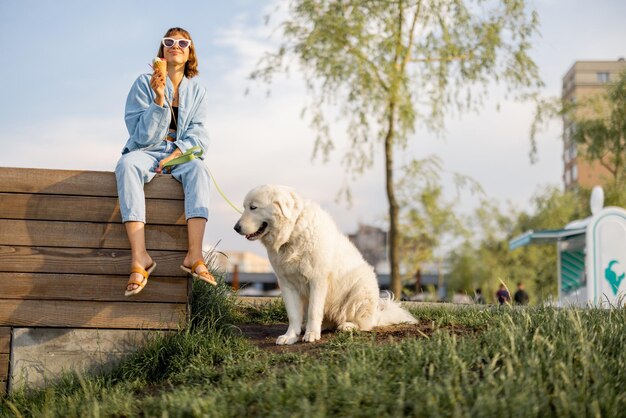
x,y
165,117
502,295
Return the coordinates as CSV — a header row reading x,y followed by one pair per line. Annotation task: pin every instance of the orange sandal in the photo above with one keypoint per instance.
x,y
141,284
204,276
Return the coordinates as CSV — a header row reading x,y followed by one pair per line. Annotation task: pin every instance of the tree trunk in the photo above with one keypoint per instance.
x,y
394,259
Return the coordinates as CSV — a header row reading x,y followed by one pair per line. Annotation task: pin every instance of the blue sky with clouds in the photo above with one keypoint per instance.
x,y
67,67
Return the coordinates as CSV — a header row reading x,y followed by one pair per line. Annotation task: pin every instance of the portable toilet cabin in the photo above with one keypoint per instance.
x,y
591,256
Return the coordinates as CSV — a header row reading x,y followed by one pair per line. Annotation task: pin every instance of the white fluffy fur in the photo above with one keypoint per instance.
x,y
321,274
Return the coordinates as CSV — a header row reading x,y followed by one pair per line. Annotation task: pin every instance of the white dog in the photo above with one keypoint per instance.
x,y
320,272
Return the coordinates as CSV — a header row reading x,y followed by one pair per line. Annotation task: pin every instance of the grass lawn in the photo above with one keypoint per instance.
x,y
493,362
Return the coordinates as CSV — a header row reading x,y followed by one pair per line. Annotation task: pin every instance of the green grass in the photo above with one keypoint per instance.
x,y
271,312
531,362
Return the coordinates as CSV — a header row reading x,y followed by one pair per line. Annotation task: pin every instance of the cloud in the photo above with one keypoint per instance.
x,y
70,143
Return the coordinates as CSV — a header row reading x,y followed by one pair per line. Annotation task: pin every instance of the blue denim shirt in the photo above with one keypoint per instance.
x,y
148,123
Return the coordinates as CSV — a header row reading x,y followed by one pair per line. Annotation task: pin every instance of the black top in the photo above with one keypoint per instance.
x,y
521,297
174,120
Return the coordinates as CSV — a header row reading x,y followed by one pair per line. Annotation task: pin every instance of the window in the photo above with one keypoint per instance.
x,y
603,77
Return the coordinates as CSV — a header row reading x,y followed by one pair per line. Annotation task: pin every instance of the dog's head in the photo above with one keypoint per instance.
x,y
270,213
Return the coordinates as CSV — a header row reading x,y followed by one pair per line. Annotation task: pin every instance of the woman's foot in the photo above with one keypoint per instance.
x,y
140,270
198,270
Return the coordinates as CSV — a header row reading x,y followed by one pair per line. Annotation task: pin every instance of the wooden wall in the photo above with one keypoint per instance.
x,y
65,259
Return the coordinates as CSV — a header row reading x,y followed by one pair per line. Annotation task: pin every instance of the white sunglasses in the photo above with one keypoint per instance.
x,y
170,42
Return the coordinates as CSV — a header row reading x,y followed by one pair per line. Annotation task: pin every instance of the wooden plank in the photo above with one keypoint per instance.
x,y
14,259
4,366
36,286
44,207
80,183
92,314
88,235
5,341
3,387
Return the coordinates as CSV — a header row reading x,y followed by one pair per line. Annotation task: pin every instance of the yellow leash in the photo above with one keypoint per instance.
x,y
191,154
239,211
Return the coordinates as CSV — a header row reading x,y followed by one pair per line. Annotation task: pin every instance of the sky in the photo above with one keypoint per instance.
x,y
68,66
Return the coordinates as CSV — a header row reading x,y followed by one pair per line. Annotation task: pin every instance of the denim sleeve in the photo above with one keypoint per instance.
x,y
145,120
196,133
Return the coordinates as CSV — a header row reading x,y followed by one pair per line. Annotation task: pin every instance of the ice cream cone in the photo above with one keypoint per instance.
x,y
159,64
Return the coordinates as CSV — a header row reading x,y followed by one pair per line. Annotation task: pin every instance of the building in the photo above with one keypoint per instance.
x,y
371,241
583,80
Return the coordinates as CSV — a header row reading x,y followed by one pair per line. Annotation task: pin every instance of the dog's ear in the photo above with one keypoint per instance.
x,y
288,202
289,206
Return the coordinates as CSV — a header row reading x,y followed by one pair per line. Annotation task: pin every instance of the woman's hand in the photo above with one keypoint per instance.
x,y
157,82
175,154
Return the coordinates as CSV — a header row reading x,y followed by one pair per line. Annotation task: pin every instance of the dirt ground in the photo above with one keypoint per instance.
x,y
264,336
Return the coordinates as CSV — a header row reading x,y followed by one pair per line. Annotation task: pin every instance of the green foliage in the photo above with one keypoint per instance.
x,y
614,194
267,313
427,218
205,343
485,259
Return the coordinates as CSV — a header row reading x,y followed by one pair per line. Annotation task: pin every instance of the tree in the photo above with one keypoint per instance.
x,y
485,259
390,64
426,217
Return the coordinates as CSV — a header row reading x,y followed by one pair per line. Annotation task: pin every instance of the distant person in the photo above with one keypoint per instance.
x,y
479,299
521,296
503,295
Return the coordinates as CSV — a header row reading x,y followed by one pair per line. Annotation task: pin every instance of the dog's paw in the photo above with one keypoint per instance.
x,y
286,339
311,336
348,327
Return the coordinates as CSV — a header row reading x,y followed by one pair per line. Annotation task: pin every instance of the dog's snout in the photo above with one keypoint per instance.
x,y
238,228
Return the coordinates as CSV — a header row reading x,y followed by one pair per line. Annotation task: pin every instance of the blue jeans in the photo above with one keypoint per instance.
x,y
136,168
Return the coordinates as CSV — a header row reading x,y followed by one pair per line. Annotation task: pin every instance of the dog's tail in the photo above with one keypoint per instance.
x,y
390,313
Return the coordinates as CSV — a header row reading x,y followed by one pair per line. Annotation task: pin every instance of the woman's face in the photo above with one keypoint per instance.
x,y
175,54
